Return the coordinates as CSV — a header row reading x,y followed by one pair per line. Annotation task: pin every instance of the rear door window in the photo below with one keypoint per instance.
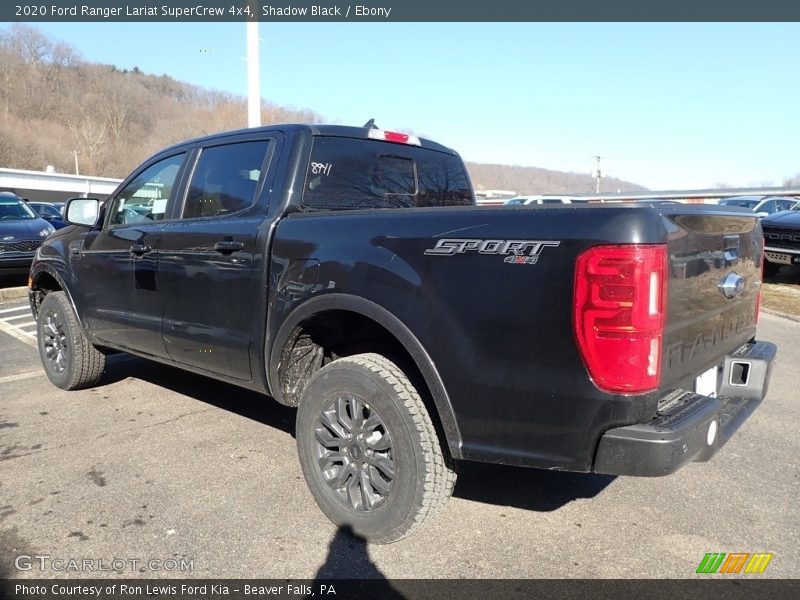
x,y
225,179
767,207
346,173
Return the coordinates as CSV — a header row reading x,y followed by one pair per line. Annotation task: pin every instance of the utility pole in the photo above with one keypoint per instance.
x,y
253,77
597,175
75,154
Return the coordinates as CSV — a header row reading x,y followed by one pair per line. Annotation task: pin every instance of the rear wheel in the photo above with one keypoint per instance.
x,y
368,449
69,360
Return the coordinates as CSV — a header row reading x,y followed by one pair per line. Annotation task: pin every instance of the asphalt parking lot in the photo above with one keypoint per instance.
x,y
157,464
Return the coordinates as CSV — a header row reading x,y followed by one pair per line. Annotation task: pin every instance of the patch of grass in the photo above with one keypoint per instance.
x,y
782,298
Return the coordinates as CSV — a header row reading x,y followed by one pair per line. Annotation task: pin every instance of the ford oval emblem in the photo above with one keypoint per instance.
x,y
8,238
731,285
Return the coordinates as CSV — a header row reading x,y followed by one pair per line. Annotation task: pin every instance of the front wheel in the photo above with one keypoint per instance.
x,y
69,360
369,450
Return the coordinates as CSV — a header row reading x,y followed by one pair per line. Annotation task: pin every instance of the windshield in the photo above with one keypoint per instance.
x,y
12,209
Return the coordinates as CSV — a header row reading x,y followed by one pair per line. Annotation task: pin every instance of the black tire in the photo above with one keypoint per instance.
x,y
69,360
770,268
369,393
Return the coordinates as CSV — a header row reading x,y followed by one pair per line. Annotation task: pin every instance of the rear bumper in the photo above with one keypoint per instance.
x,y
690,427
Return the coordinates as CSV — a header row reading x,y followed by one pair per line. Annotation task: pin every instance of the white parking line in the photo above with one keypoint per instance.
x,y
26,315
24,331
19,376
15,309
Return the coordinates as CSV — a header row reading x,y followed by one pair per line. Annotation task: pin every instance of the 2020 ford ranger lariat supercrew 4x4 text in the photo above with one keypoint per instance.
x,y
347,272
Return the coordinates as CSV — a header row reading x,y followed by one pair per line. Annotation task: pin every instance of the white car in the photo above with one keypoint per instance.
x,y
545,200
761,205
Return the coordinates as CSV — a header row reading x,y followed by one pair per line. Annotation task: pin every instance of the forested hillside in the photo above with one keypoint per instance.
x,y
533,180
54,104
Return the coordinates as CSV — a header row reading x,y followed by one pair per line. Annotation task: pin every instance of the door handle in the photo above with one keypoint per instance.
x,y
228,246
140,249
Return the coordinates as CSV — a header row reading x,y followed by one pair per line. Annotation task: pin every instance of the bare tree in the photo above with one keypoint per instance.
x,y
90,135
792,181
53,102
118,113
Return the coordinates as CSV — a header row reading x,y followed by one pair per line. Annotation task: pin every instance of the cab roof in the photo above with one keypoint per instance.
x,y
314,130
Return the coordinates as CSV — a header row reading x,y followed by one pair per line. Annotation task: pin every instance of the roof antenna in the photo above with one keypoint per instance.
x,y
370,124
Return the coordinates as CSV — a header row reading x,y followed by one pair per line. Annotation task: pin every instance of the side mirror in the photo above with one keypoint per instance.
x,y
82,211
46,216
762,214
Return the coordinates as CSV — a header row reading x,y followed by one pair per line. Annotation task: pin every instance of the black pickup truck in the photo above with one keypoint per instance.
x,y
781,239
346,271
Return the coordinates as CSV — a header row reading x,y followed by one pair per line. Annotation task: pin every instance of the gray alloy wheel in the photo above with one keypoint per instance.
x,y
55,342
69,360
368,449
354,452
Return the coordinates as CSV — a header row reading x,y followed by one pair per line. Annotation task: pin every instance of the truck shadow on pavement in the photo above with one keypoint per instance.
x,y
502,485
529,489
240,401
17,280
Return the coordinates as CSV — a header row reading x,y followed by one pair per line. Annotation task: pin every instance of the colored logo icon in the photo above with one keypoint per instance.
x,y
735,562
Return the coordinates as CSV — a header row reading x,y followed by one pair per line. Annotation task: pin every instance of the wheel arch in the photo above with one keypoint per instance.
x,y
45,279
366,309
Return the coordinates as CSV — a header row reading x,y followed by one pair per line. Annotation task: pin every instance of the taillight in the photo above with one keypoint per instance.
x,y
394,136
618,314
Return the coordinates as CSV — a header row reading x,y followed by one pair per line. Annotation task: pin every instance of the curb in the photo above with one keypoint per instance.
x,y
776,313
14,292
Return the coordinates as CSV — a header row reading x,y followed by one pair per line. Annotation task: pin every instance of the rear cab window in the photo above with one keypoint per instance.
x,y
349,174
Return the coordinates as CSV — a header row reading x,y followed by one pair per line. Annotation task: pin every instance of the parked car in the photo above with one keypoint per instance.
x,y
542,200
781,239
761,205
52,212
22,231
347,272
658,202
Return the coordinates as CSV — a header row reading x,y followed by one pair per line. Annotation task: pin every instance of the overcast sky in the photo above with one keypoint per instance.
x,y
665,105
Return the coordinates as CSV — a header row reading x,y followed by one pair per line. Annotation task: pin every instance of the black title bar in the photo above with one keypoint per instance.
x,y
398,10
702,588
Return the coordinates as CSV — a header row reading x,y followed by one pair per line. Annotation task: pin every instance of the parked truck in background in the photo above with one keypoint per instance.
x,y
781,239
347,272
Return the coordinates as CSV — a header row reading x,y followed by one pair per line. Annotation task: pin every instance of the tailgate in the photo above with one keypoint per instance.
x,y
715,278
